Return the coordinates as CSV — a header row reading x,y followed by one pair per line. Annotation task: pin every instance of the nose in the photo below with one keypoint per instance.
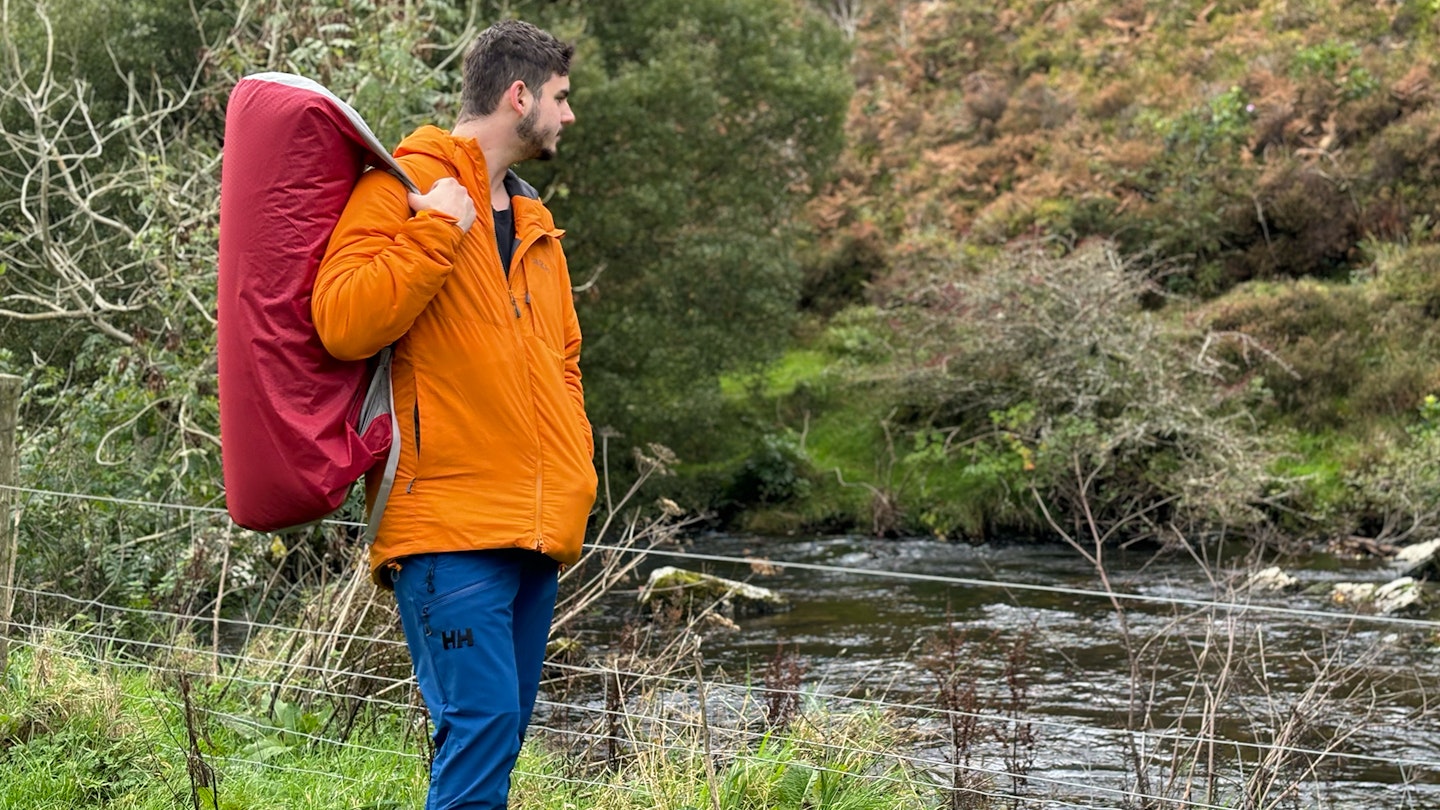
x,y
567,115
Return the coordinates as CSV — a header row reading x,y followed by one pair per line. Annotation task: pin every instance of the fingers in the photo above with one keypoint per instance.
x,y
447,197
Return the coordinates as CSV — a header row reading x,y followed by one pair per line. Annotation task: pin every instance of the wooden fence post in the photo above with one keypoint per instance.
x,y
9,537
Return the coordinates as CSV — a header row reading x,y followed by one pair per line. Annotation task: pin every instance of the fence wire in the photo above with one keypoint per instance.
x,y
841,702
906,576
735,723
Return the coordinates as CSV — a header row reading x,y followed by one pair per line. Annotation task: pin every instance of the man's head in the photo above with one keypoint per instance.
x,y
507,52
516,69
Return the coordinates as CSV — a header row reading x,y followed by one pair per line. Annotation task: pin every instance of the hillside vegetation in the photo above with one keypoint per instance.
x,y
1171,266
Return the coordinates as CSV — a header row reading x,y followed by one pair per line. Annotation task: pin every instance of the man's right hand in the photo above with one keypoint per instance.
x,y
447,197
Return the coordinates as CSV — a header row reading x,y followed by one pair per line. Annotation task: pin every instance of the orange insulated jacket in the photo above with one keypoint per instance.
x,y
495,448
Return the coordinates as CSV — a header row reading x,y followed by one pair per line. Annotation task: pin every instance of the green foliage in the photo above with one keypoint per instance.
x,y
1325,59
120,392
775,473
1395,497
1333,62
1429,416
980,398
782,776
1409,276
856,336
398,64
62,740
701,129
1333,353
973,491
104,46
1196,184
1220,126
76,735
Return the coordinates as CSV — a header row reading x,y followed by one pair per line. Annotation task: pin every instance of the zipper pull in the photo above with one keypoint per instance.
x,y
527,298
515,305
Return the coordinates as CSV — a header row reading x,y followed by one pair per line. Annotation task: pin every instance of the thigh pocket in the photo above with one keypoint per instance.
x,y
466,633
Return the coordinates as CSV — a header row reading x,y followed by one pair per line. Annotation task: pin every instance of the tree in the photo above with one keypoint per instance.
x,y
701,129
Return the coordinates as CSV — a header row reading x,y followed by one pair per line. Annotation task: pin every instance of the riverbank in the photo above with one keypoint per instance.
x,y
907,673
1082,406
78,730
1253,353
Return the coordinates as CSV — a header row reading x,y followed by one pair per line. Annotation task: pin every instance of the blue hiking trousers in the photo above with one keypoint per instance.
x,y
476,623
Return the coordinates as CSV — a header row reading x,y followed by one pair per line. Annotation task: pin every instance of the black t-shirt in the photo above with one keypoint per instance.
x,y
505,236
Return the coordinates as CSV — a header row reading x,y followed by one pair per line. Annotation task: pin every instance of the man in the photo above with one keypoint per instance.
x,y
495,478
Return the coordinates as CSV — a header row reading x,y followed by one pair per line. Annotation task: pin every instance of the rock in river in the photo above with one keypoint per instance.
x,y
695,591
1403,595
1420,559
1271,579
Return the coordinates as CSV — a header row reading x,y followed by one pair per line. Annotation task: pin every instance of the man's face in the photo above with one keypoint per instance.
x,y
540,128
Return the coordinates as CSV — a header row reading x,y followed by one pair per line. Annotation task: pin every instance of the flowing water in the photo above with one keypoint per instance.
x,y
1253,676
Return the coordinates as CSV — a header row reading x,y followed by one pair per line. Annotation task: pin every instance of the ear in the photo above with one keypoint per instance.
x,y
517,96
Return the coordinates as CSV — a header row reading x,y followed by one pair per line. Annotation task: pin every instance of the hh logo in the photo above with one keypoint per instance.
x,y
543,265
457,638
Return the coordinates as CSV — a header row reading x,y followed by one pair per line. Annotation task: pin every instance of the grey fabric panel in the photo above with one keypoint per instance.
x,y
516,187
380,401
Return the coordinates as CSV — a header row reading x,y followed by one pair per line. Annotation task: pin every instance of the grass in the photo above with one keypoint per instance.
x,y
1320,464
862,477
780,378
797,771
75,732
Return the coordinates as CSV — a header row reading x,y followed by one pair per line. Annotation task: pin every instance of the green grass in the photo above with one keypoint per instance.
x,y
818,395
77,734
74,734
1320,464
780,378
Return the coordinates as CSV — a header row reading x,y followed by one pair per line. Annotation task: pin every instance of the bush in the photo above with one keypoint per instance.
x,y
1043,381
1335,355
1397,497
775,473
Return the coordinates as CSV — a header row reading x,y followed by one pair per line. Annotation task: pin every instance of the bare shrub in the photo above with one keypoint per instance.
x,y
1234,740
1050,358
782,679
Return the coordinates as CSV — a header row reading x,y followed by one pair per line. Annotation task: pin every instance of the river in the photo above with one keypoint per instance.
x,y
1311,679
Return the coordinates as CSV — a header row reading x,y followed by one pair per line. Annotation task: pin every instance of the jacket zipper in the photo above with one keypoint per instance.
x,y
534,404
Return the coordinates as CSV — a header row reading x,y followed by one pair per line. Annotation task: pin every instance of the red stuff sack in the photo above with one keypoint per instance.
x,y
297,426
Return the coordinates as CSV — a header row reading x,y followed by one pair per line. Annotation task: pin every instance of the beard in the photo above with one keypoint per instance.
x,y
538,145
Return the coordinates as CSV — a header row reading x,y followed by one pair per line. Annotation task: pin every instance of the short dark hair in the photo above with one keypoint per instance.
x,y
507,51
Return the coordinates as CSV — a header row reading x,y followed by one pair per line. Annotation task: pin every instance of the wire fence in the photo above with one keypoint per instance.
x,y
1235,700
